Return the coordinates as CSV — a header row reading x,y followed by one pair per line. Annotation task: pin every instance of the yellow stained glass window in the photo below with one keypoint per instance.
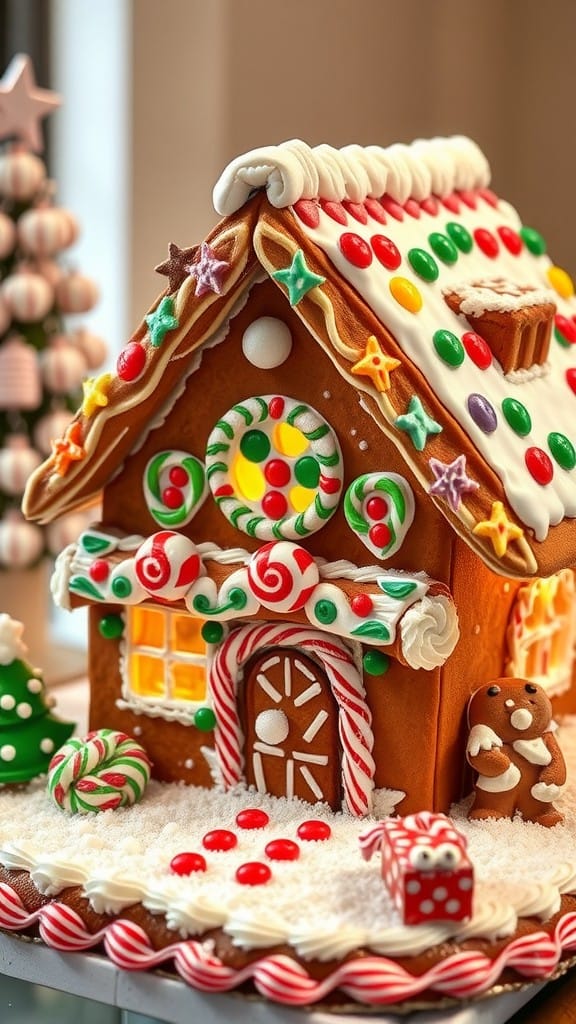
x,y
288,440
147,627
188,681
247,478
187,635
147,676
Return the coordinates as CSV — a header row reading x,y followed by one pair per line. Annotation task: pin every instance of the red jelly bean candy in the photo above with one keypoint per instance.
x,y
219,839
314,830
187,863
362,605
252,817
99,570
253,873
282,849
131,361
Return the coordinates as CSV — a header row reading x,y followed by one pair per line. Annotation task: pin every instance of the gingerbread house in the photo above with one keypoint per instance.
x,y
338,469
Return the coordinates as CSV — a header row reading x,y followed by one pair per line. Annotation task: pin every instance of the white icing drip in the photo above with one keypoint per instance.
x,y
492,919
293,171
482,737
429,632
320,944
63,570
501,783
535,751
51,876
111,895
249,931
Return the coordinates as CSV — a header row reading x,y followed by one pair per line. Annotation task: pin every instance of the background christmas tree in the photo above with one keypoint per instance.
x,y
44,352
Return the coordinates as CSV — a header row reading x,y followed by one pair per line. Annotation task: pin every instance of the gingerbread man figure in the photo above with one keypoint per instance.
x,y
512,747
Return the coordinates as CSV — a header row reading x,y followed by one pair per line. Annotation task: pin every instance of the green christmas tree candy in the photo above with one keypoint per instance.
x,y
29,733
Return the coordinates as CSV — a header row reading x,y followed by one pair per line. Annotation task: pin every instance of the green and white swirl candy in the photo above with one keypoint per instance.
x,y
174,487
106,770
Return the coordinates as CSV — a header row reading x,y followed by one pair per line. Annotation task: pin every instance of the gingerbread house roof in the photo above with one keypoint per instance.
x,y
425,290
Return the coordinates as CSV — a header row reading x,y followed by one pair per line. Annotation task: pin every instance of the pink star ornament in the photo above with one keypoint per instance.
x,y
23,104
451,481
208,271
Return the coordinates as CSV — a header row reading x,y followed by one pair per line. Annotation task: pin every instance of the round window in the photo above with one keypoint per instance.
x,y
275,468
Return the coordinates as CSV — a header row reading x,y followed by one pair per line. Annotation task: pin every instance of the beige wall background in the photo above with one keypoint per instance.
x,y
212,78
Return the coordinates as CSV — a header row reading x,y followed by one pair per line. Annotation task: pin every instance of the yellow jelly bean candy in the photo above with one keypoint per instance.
x,y
406,294
561,282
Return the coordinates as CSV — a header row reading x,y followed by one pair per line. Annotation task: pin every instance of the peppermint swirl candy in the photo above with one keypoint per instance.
x,y
174,487
379,508
106,770
282,576
167,564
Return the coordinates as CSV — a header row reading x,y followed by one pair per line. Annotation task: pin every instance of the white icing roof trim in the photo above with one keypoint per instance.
x,y
293,171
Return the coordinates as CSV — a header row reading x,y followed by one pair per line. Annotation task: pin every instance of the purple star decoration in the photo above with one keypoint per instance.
x,y
451,481
208,271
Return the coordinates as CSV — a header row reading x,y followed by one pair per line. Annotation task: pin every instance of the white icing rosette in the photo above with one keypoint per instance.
x,y
430,632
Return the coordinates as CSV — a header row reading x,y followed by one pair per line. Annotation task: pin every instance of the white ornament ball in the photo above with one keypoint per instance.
x,y
29,296
272,726
21,175
267,342
17,462
63,366
51,427
93,348
7,235
20,386
44,231
76,293
282,575
21,543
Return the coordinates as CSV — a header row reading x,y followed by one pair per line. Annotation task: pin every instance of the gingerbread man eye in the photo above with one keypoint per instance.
x,y
423,858
447,856
493,691
530,688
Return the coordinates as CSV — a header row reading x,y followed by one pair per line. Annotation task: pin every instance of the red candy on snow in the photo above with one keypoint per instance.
x,y
313,829
131,361
282,849
511,239
477,349
220,839
571,378
334,210
187,863
486,242
386,252
566,327
375,209
252,817
307,211
253,873
355,210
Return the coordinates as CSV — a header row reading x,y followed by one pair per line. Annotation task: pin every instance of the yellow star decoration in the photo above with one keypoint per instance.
x,y
95,393
376,365
499,529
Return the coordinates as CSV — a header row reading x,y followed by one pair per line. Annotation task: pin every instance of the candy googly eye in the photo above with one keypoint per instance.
x,y
447,856
423,858
493,691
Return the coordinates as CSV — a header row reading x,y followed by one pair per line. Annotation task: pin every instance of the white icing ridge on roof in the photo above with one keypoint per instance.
x,y
293,171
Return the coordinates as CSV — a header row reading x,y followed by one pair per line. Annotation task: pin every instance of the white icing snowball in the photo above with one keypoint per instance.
x,y
11,644
267,343
47,745
7,752
24,710
34,685
272,726
7,702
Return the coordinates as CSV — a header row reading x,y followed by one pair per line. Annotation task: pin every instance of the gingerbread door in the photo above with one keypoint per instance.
x,y
291,728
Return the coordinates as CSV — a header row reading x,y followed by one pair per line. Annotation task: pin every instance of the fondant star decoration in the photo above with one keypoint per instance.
x,y
451,481
208,271
298,278
68,449
499,529
23,105
417,423
376,365
178,266
161,321
95,391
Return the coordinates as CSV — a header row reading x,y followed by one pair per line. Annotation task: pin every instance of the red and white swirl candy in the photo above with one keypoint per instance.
x,y
167,564
106,770
282,576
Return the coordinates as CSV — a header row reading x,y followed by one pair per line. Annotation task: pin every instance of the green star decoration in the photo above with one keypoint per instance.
x,y
298,278
417,423
161,321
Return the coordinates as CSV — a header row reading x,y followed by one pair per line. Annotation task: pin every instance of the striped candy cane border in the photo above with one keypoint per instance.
x,y
354,717
374,980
